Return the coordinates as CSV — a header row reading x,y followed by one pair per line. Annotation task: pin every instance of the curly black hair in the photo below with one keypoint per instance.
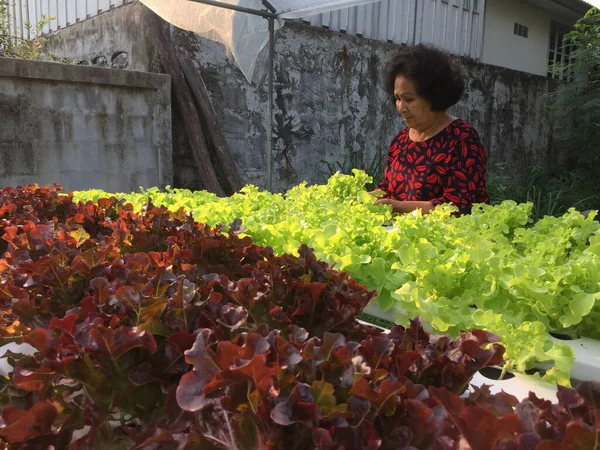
x,y
437,78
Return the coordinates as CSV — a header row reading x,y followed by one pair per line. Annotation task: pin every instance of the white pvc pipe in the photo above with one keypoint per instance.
x,y
25,349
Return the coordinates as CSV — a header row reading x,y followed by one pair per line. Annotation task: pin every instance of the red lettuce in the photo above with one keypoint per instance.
x,y
153,331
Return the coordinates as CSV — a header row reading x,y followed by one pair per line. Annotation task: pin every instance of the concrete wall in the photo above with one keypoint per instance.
x,y
83,127
330,102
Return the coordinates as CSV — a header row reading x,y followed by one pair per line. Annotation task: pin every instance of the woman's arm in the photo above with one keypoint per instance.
x,y
404,207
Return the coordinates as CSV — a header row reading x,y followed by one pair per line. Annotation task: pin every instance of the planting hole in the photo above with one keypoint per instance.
x,y
493,373
562,337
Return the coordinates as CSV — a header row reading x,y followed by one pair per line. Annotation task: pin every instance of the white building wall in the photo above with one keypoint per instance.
x,y
501,47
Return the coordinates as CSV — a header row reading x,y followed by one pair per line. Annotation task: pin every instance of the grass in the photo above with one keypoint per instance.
x,y
550,194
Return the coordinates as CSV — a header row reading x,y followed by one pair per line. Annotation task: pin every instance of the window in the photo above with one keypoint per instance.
x,y
521,30
559,53
466,5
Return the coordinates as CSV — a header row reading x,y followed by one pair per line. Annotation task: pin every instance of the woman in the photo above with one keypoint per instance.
x,y
437,158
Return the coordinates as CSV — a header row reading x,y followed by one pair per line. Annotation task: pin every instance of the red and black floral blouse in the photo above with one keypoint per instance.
x,y
447,168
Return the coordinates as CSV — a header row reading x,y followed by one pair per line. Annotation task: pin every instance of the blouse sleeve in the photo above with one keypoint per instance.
x,y
467,174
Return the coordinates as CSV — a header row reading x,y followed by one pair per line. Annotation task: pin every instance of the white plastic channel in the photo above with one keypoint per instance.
x,y
519,386
587,358
374,310
25,349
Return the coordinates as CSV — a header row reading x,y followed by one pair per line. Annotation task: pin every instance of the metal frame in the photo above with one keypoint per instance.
x,y
270,14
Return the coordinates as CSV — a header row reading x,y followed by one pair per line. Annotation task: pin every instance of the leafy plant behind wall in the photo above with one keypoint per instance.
x,y
576,105
14,46
550,194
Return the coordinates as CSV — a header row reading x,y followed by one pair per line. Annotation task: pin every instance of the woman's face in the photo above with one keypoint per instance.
x,y
415,110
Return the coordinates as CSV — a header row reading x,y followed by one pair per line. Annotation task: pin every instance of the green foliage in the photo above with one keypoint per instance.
x,y
550,194
5,37
14,46
576,105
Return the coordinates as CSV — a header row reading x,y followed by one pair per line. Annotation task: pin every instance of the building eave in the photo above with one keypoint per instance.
x,y
565,10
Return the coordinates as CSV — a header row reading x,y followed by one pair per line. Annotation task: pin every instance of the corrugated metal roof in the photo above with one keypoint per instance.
x,y
454,25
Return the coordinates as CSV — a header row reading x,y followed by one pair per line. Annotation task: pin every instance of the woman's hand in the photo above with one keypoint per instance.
x,y
378,193
404,207
396,204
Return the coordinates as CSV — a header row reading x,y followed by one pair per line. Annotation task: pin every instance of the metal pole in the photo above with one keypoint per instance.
x,y
270,15
270,120
268,5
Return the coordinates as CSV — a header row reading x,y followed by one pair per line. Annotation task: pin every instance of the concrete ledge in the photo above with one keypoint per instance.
x,y
82,74
84,127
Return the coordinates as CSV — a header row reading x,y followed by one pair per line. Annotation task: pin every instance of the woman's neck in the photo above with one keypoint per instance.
x,y
427,131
